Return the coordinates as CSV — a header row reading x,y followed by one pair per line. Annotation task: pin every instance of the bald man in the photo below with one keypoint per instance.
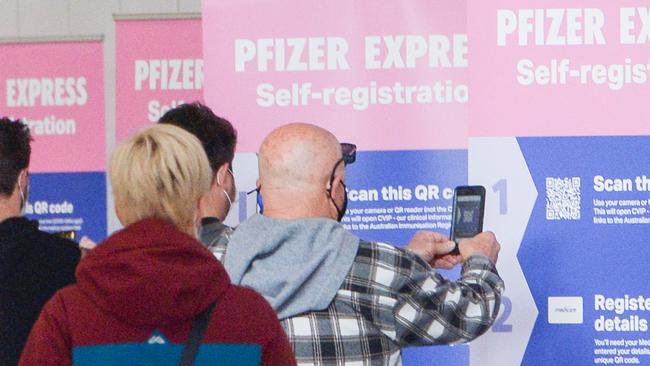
x,y
340,298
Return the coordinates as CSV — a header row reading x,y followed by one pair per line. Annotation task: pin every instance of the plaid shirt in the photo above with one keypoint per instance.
x,y
215,236
392,299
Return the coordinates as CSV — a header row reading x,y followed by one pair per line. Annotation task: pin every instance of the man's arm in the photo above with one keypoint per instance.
x,y
435,248
434,310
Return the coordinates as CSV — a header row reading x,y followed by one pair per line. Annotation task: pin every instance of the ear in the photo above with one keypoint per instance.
x,y
221,173
118,213
22,179
337,185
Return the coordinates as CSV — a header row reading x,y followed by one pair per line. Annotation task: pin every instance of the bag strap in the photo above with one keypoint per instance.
x,y
196,336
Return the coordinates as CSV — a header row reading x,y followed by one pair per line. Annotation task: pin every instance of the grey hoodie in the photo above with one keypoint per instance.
x,y
297,265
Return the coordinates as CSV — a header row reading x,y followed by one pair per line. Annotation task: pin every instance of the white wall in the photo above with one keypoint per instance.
x,y
72,18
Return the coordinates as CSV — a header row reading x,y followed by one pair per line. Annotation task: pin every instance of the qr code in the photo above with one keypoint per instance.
x,y
563,198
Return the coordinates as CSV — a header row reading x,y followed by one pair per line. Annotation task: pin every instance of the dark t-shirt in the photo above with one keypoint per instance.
x,y
33,266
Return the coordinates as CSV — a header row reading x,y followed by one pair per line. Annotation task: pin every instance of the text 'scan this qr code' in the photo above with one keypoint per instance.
x,y
563,198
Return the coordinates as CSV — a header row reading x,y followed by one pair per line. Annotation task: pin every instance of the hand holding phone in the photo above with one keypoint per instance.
x,y
467,215
86,245
484,244
433,248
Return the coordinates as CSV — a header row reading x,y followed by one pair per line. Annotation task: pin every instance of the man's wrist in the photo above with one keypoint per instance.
x,y
478,259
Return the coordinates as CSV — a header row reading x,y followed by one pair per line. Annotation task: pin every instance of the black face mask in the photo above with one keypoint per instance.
x,y
344,208
340,211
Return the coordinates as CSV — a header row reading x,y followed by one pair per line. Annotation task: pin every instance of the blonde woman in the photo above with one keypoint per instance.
x,y
149,287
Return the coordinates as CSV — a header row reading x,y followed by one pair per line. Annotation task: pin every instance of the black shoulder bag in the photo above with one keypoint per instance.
x,y
196,336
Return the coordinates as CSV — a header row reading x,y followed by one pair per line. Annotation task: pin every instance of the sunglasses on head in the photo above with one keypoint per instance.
x,y
349,152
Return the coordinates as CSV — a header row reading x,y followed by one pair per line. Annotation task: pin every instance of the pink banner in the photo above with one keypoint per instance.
x,y
553,68
389,77
159,66
58,90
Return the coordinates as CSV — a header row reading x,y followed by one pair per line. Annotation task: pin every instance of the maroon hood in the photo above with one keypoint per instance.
x,y
151,273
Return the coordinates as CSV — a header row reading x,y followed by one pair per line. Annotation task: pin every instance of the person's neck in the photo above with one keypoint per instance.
x,y
291,213
8,209
213,207
292,205
217,214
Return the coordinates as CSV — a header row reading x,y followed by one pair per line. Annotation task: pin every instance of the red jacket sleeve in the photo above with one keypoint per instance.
x,y
278,350
48,342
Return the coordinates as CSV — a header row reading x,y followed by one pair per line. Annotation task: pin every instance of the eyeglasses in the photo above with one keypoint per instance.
x,y
349,152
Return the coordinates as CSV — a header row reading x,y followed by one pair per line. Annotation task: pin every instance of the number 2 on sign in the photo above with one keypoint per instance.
x,y
500,325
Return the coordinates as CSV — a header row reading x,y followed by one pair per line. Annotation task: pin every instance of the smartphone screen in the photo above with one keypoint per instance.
x,y
70,234
467,218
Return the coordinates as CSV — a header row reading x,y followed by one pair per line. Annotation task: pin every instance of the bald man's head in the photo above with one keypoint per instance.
x,y
298,156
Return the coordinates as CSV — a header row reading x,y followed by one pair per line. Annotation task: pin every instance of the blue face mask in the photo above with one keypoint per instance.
x,y
230,201
260,202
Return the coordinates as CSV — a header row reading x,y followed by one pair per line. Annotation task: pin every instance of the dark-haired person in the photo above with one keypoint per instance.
x,y
33,264
141,292
219,138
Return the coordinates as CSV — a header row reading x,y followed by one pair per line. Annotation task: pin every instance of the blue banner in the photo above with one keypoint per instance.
x,y
584,251
394,194
69,202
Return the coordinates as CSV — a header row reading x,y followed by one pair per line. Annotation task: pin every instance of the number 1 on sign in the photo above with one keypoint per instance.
x,y
501,188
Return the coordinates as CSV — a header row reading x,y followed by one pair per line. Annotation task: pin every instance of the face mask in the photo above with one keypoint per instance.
x,y
224,191
260,202
228,198
340,212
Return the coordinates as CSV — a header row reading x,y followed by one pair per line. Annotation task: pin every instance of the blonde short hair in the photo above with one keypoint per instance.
x,y
161,172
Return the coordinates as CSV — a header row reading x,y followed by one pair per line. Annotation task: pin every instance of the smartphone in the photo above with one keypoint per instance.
x,y
69,234
467,215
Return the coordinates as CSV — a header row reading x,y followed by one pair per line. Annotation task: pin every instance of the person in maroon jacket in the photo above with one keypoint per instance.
x,y
141,291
